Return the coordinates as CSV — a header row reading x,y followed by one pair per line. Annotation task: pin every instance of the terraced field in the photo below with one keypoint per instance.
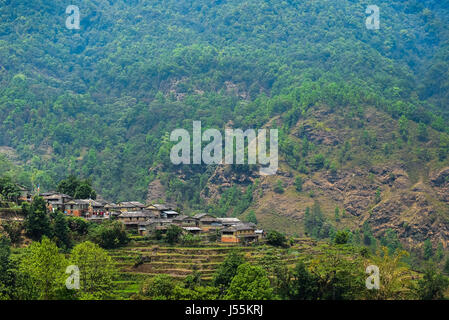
x,y
145,259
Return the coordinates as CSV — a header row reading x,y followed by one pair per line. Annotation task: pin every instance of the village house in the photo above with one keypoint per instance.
x,y
226,222
77,207
152,225
185,221
159,208
84,208
193,230
169,214
56,201
131,219
207,222
25,194
240,233
131,206
260,234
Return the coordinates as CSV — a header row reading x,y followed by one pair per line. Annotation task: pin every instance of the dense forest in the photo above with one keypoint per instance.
x,y
100,101
363,128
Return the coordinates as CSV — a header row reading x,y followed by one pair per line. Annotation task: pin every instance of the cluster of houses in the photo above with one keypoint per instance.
x,y
148,219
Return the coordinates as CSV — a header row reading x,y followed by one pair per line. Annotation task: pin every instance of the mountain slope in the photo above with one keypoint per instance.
x,y
101,101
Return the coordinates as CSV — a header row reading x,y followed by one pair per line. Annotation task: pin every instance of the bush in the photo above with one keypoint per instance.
x,y
279,188
173,234
109,235
276,238
342,237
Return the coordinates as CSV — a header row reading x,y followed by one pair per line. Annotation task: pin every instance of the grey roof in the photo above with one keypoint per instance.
x,y
183,217
160,207
131,204
170,212
136,214
85,201
56,196
200,215
229,220
241,227
192,228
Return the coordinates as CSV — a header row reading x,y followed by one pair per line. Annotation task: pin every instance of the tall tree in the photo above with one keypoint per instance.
x,y
45,266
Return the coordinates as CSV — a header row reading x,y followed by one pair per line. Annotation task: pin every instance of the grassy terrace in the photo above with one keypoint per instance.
x,y
143,259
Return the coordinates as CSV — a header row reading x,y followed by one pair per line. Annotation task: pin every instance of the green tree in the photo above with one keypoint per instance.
x,y
337,214
8,189
304,285
97,270
13,229
74,187
251,217
377,197
173,234
160,287
5,273
110,234
432,285
423,134
279,187
298,183
250,283
37,221
427,250
60,228
341,237
227,270
276,238
45,266
403,127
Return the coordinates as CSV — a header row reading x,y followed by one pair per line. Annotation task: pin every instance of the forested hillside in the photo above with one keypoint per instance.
x,y
100,102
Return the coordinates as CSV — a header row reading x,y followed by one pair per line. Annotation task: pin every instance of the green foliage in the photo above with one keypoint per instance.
x,y
234,201
341,237
79,189
37,220
189,239
106,123
45,266
13,229
251,217
8,189
227,270
276,238
298,184
378,196
279,187
390,240
432,285
160,287
427,250
250,283
337,214
97,271
173,234
78,226
315,223
304,285
5,273
60,229
109,234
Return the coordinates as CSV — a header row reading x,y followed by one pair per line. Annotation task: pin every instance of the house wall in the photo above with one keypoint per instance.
x,y
229,238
